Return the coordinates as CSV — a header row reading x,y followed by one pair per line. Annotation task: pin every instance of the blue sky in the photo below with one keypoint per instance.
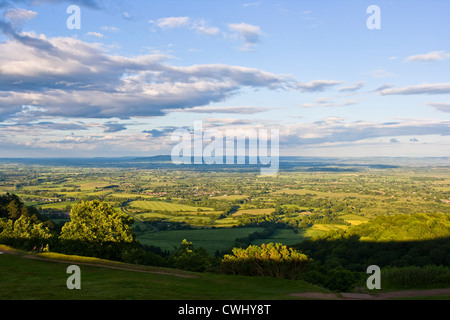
x,y
137,70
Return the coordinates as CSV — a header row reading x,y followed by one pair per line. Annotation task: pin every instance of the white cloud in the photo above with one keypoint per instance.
x,y
249,34
71,78
317,85
172,22
19,16
200,26
434,88
95,34
431,56
352,88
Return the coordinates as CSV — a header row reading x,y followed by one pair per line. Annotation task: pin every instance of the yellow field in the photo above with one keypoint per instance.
x,y
327,227
254,212
354,219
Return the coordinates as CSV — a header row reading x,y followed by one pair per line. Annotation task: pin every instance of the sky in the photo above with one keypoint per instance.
x,y
117,78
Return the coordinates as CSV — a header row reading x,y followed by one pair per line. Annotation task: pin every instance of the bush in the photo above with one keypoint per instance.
x,y
341,280
272,260
186,257
336,279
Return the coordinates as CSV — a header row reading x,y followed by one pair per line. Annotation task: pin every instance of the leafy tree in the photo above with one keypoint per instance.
x,y
96,229
97,222
186,257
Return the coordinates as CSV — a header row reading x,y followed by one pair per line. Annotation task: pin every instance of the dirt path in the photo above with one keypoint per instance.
x,y
379,296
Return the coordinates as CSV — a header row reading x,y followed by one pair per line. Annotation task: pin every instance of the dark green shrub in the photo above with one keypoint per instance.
x,y
272,260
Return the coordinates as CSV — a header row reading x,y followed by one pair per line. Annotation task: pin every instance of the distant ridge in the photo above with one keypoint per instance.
x,y
286,163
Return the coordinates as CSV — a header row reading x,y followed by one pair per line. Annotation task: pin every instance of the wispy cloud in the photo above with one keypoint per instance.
x,y
434,88
110,29
352,88
431,56
95,34
19,16
228,109
329,102
440,106
251,4
381,73
172,22
249,34
200,26
317,85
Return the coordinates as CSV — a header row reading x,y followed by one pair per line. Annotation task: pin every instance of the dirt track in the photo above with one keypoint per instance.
x,y
380,296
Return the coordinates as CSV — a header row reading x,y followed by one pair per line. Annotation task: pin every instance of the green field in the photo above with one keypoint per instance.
x,y
165,206
288,236
56,205
210,239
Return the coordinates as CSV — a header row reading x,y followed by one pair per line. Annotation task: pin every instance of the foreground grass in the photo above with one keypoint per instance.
x,y
24,278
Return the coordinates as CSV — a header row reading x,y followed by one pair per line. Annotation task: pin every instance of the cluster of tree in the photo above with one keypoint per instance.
x,y
296,223
271,260
96,229
21,226
249,220
404,227
226,207
398,240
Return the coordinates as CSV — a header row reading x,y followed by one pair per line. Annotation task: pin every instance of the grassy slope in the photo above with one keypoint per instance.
x,y
23,278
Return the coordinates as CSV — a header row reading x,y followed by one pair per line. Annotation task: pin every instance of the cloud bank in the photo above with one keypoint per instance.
x,y
71,78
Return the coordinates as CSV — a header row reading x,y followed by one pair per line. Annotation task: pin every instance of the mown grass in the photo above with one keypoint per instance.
x,y
22,278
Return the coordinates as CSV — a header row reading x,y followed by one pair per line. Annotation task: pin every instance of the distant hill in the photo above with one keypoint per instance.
x,y
286,163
